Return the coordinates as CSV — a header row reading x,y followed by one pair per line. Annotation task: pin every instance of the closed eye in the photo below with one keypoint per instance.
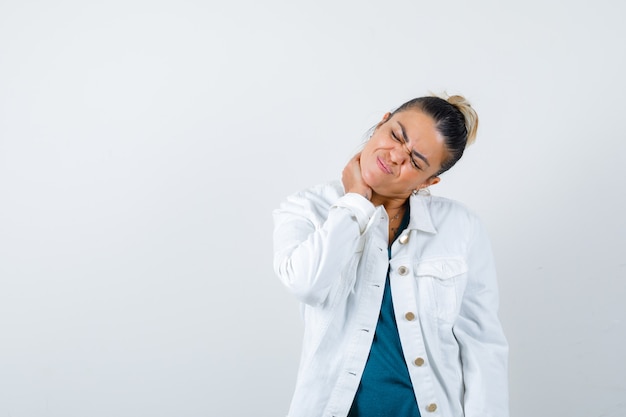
x,y
401,140
415,164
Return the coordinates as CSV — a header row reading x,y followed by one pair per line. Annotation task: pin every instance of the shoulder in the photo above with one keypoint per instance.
x,y
452,214
327,193
457,227
438,204
317,199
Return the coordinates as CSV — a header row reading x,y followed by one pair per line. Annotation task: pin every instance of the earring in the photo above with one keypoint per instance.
x,y
422,191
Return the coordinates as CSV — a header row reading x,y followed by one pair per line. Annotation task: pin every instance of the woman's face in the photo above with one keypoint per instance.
x,y
386,165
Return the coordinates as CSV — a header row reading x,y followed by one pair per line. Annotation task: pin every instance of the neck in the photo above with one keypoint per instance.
x,y
389,203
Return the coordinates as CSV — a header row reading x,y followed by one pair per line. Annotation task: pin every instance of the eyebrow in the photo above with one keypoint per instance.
x,y
413,151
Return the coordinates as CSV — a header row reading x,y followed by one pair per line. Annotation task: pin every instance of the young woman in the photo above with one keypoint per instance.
x,y
398,287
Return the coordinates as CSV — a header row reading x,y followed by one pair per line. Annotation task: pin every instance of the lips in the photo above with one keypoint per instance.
x,y
383,166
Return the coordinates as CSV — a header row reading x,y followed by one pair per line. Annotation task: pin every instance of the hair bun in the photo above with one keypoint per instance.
x,y
469,114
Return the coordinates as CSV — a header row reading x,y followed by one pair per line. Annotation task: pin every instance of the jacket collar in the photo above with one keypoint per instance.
x,y
420,214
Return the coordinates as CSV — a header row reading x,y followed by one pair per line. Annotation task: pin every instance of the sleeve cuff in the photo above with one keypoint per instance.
x,y
360,207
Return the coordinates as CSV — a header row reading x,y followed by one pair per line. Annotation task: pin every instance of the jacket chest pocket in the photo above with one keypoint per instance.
x,y
441,283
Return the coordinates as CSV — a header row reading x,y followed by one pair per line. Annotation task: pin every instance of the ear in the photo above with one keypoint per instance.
x,y
430,181
384,119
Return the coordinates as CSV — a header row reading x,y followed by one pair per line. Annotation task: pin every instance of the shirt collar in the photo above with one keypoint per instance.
x,y
420,214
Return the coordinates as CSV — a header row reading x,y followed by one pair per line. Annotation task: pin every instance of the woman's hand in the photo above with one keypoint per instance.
x,y
352,179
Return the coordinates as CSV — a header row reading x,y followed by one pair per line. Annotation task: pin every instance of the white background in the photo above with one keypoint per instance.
x,y
144,144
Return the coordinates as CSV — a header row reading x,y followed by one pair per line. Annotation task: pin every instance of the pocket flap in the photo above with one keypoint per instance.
x,y
442,268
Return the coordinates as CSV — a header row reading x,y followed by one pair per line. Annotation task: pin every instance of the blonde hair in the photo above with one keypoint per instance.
x,y
469,114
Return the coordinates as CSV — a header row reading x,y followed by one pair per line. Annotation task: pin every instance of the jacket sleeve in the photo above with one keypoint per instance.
x,y
483,347
312,244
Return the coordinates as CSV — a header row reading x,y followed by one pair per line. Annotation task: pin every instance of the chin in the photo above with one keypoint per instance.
x,y
371,181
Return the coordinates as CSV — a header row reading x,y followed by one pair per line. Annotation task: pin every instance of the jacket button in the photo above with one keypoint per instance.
x,y
404,238
403,270
432,407
409,316
419,362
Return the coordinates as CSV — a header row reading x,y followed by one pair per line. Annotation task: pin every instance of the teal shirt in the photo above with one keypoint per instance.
x,y
385,389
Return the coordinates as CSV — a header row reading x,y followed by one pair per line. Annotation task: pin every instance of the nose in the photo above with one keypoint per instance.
x,y
399,154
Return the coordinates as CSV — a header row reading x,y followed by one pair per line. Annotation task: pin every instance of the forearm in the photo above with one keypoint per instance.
x,y
309,257
484,356
483,346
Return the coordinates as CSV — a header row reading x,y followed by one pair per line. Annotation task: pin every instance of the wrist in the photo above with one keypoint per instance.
x,y
365,192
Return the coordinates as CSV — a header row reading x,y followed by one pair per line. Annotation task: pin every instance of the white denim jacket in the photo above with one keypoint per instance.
x,y
330,251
